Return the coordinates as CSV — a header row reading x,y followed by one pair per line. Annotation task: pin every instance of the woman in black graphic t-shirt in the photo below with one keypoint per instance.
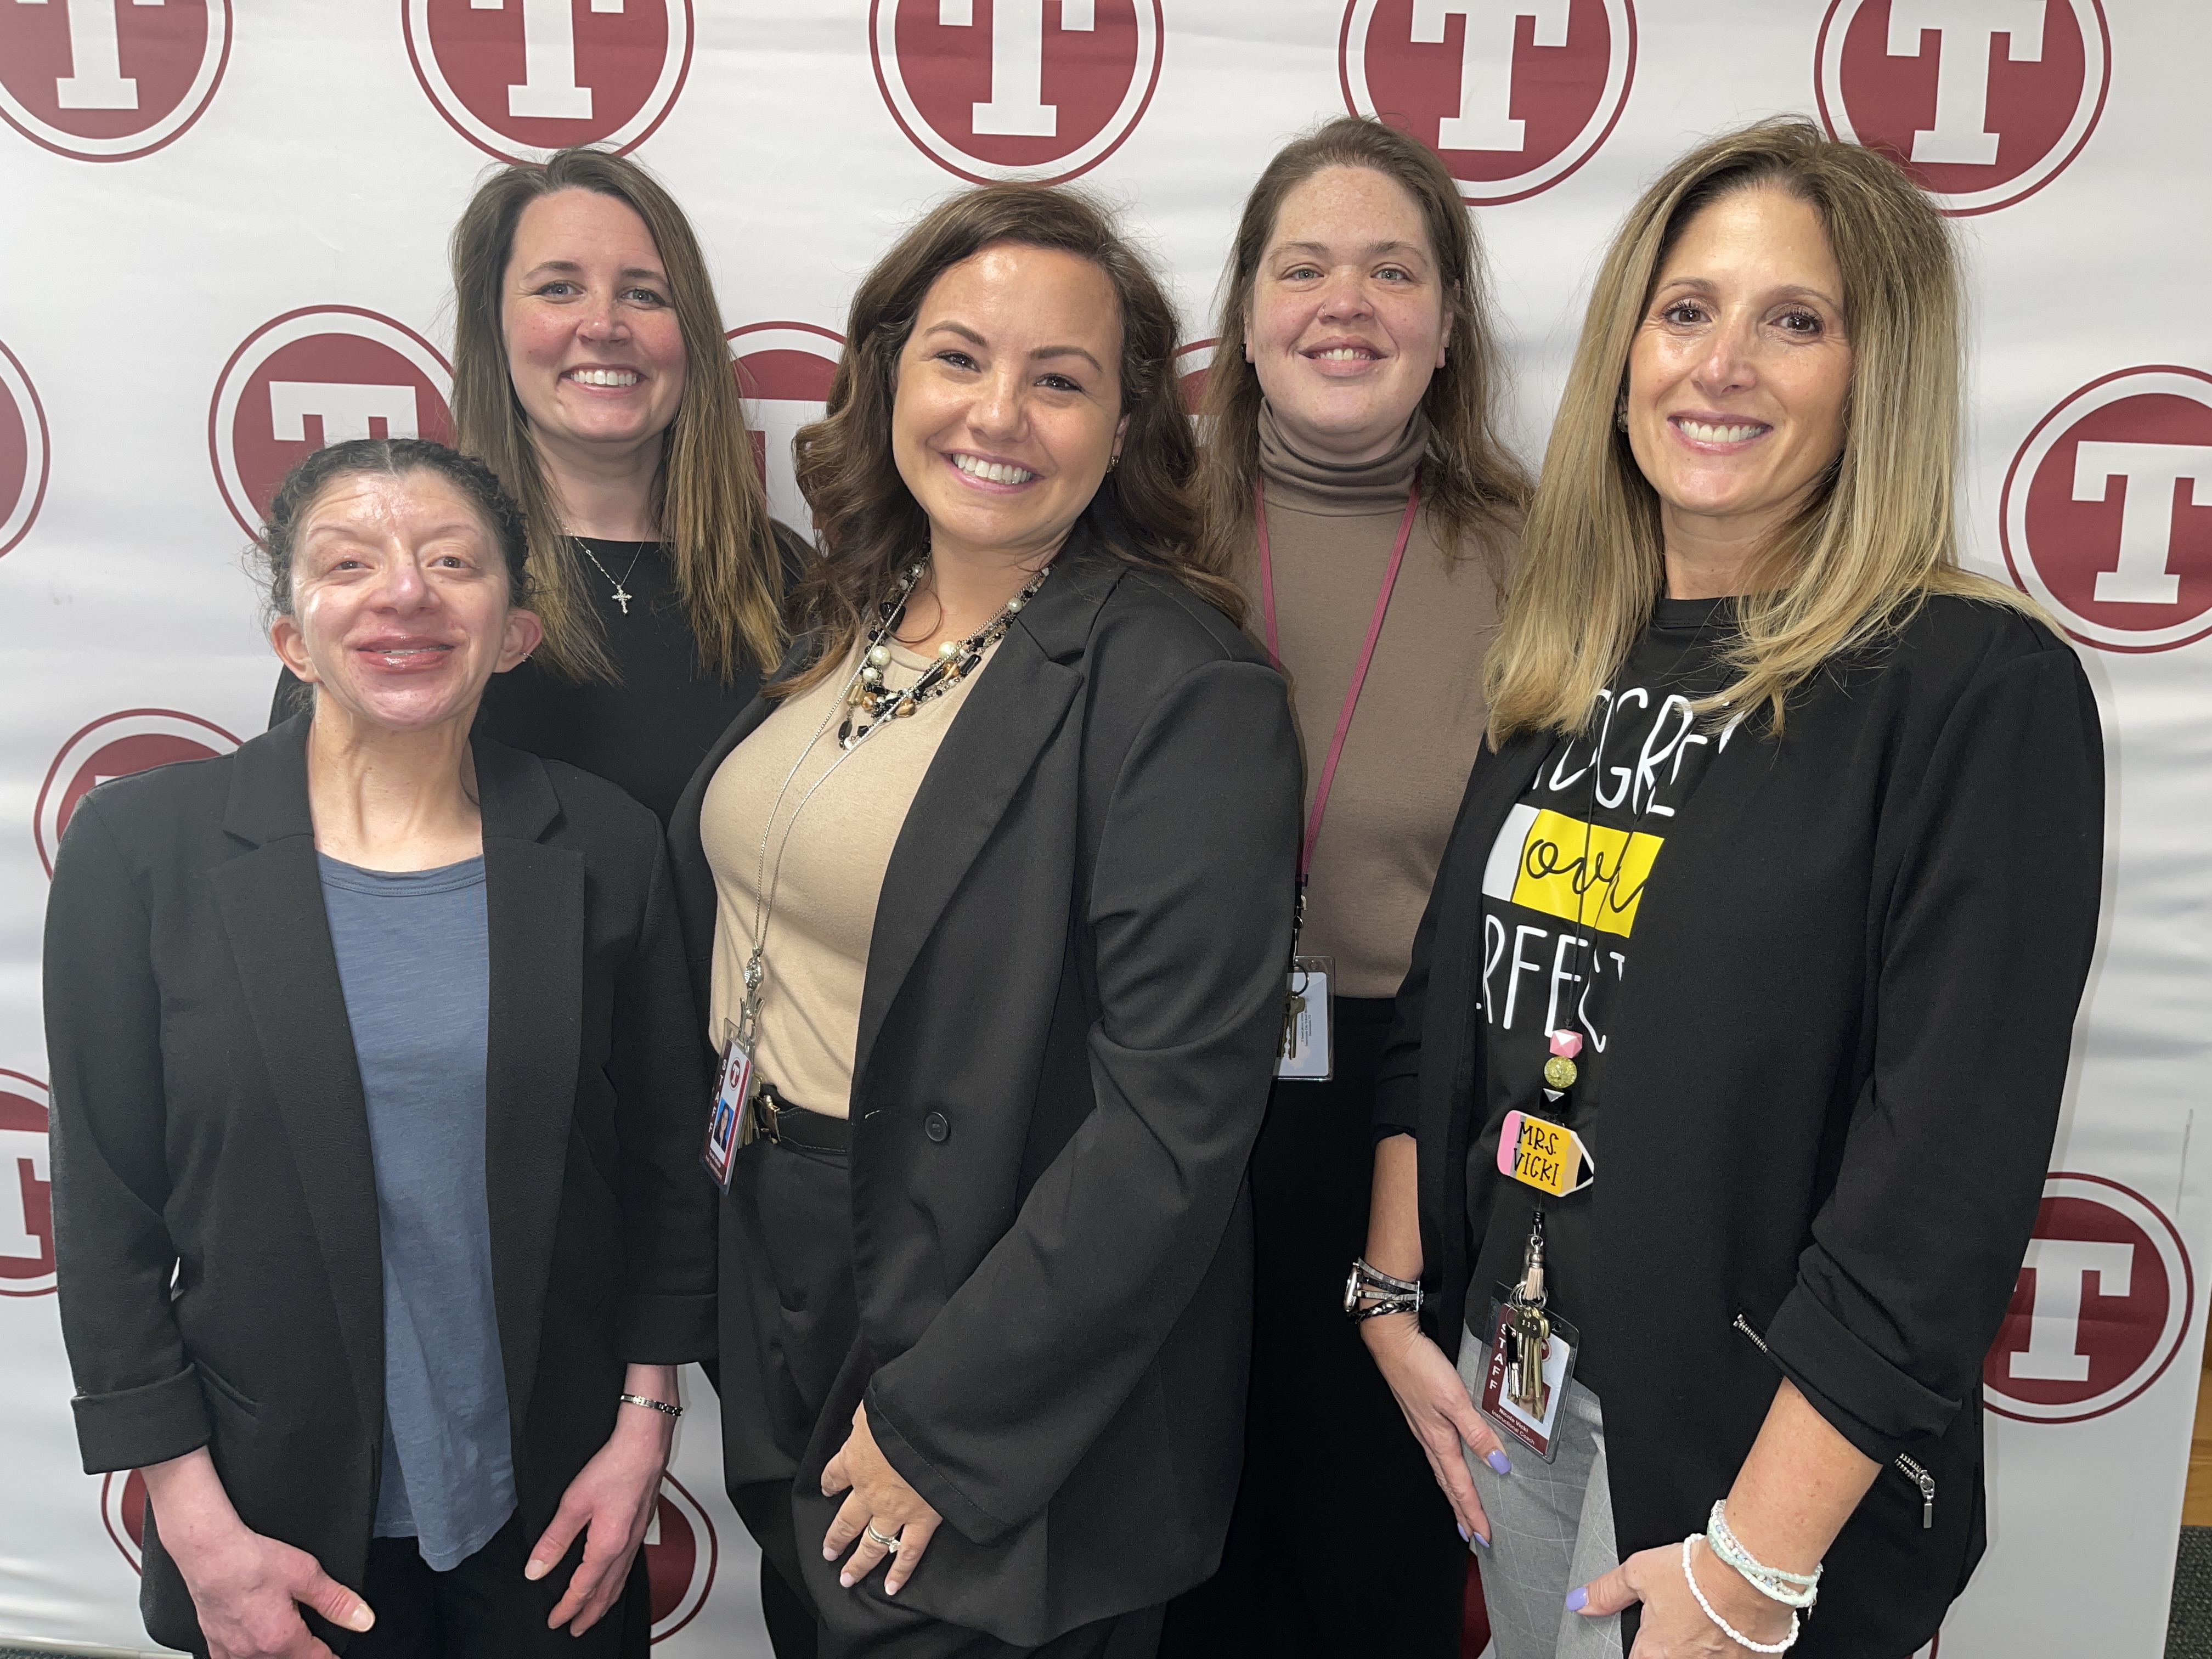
x,y
1735,1035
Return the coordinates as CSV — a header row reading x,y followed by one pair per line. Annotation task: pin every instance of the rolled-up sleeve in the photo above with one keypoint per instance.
x,y
1984,950
138,1400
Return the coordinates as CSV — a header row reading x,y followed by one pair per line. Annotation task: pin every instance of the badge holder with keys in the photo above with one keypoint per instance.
x,y
1532,1356
1307,1051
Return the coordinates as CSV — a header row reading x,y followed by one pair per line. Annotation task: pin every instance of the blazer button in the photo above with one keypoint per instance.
x,y
935,1127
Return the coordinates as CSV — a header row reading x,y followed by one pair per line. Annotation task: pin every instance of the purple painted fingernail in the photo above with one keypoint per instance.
x,y
1497,1460
1463,1532
1480,1539
1578,1598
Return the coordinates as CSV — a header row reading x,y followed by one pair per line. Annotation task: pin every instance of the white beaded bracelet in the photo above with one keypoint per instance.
x,y
1726,1628
1799,1591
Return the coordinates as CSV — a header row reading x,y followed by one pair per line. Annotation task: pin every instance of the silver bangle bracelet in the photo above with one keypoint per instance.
x,y
1370,1291
660,1406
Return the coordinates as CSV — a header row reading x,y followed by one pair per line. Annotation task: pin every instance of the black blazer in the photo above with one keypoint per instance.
x,y
209,1123
1073,995
1834,1078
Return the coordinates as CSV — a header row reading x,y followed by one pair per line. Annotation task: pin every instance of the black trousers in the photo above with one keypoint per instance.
x,y
800,1281
484,1609
1340,1543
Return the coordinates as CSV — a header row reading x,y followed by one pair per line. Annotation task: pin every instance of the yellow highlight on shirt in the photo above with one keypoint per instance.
x,y
1585,873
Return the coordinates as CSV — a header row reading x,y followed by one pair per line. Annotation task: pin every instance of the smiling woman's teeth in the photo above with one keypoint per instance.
x,y
1719,434
604,376
992,472
1343,355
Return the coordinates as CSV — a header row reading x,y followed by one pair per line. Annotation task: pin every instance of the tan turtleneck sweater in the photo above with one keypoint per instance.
x,y
1420,722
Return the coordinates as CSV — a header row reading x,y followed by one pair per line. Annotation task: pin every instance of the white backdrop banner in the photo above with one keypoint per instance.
x,y
225,247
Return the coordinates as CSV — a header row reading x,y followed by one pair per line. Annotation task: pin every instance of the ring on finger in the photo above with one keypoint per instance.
x,y
887,1542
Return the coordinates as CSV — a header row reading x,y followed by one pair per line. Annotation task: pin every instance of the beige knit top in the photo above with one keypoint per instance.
x,y
1420,722
848,810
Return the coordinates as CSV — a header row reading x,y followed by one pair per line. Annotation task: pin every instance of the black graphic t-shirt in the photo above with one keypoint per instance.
x,y
1561,894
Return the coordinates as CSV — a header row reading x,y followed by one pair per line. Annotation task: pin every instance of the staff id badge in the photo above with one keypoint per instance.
x,y
1307,1052
1531,1422
725,1117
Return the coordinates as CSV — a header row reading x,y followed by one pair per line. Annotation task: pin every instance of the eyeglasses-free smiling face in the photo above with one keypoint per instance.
x,y
1008,408
1349,321
1740,371
594,343
400,607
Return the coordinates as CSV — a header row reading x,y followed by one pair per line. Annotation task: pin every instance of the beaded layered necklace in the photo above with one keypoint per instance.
x,y
867,696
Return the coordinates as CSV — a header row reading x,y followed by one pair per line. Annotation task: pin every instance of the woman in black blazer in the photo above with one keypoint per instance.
x,y
1736,1031
375,1189
1018,834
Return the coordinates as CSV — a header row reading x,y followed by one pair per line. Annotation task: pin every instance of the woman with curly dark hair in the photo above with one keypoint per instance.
x,y
989,905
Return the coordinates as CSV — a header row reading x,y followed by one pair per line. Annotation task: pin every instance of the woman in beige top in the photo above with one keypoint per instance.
x,y
1354,482
993,894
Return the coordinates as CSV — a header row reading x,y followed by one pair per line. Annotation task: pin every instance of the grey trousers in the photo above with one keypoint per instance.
x,y
1551,1529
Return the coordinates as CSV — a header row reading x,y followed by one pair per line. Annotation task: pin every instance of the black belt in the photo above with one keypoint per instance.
x,y
786,1125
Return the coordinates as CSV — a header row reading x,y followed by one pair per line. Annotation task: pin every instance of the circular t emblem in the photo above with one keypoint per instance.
x,y
1193,364
2100,1309
313,377
1034,89
1514,94
27,1194
115,747
123,1508
24,456
1984,102
680,1558
110,80
784,371
520,79
2107,510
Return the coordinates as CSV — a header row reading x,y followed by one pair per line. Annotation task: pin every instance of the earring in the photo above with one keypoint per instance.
x,y
1620,414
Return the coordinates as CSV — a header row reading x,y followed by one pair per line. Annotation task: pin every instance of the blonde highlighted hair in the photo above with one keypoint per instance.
x,y
709,505
1878,534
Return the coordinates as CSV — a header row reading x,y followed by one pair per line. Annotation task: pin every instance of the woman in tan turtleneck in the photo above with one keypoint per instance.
x,y
1354,367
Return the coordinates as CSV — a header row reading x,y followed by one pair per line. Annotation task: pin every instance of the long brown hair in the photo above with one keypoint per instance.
x,y
869,524
1879,534
1471,485
708,504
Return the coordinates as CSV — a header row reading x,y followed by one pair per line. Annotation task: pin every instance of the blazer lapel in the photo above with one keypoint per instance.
x,y
1010,716
534,911
271,903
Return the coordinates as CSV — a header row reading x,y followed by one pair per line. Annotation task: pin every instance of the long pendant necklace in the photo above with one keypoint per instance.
x,y
866,693
621,596
955,659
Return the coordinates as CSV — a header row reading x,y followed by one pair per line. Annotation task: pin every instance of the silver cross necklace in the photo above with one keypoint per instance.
x,y
621,597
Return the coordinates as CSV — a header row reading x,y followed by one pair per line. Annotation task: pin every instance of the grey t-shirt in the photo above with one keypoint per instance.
x,y
414,958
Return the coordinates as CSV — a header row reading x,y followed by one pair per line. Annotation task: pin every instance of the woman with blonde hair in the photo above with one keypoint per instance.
x,y
1736,1031
1354,484
590,373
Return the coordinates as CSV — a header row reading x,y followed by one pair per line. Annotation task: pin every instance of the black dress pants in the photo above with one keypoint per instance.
x,y
1340,1543
797,1271
484,1609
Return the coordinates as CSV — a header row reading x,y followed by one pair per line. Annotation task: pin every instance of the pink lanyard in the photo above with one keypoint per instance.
x,y
1359,669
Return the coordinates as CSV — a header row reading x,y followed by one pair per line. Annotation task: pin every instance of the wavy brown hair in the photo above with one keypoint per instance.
x,y
1471,485
708,504
869,524
1879,533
